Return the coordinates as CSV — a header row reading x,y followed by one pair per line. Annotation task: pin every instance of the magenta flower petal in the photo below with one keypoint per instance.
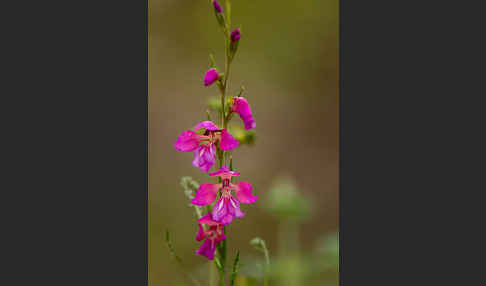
x,y
226,209
224,171
207,219
227,142
243,193
249,123
212,235
204,157
219,209
207,249
206,124
241,106
211,76
200,234
206,194
188,141
235,207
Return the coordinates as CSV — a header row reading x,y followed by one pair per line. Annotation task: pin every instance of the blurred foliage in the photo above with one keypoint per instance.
x,y
214,103
243,136
286,202
294,270
190,187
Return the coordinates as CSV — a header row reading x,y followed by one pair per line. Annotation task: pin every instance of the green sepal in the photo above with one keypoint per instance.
x,y
212,64
240,92
220,19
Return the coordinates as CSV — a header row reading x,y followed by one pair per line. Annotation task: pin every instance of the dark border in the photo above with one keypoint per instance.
x,y
76,109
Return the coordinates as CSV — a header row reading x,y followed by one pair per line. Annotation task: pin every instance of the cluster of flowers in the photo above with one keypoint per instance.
x,y
204,141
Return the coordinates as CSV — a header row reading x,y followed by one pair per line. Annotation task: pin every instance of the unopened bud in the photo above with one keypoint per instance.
x,y
217,7
235,39
235,35
211,76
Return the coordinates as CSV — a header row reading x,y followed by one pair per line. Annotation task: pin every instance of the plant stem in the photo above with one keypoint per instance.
x,y
221,278
267,264
224,123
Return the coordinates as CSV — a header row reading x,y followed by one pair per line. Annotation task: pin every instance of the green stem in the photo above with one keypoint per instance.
x,y
221,278
224,123
267,264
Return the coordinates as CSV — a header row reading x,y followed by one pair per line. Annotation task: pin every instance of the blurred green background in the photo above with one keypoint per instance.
x,y
288,62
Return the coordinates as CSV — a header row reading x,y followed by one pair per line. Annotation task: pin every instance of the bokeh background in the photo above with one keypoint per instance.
x,y
288,62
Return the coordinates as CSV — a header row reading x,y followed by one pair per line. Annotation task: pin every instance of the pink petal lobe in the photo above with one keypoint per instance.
x,y
200,234
226,209
188,141
241,106
204,157
224,171
205,195
207,249
209,125
207,219
227,142
235,206
243,193
249,123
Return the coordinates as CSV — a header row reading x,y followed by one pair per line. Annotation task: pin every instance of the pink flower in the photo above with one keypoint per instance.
x,y
241,106
211,76
213,235
204,146
227,207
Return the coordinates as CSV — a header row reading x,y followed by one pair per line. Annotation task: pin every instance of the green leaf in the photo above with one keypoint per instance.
x,y
235,268
220,19
218,263
214,103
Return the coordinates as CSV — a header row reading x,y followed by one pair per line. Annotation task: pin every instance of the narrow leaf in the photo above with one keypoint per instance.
x,y
235,268
179,260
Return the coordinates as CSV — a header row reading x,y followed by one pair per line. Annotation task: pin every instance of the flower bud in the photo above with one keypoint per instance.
x,y
217,7
211,76
235,39
218,11
235,35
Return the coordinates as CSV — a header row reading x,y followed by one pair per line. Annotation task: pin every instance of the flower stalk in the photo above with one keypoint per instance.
x,y
210,144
